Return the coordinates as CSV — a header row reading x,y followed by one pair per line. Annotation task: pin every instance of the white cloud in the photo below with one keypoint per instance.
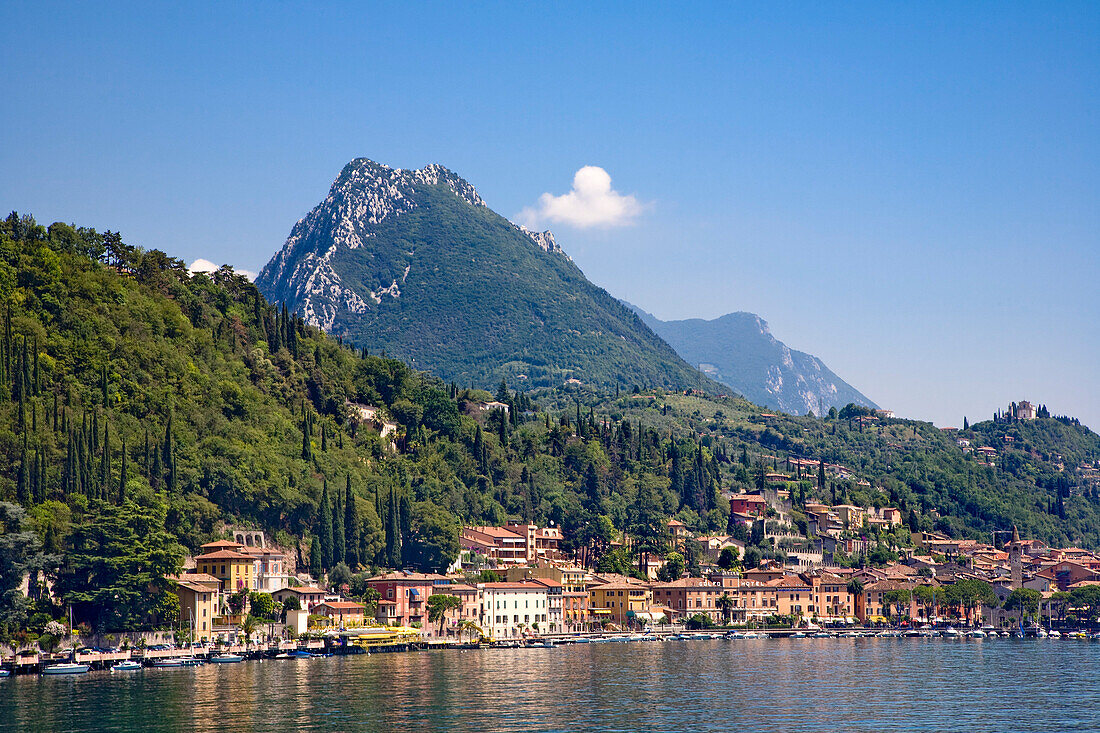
x,y
201,265
591,203
204,265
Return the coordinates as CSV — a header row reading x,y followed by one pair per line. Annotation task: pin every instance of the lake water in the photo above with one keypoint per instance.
x,y
754,685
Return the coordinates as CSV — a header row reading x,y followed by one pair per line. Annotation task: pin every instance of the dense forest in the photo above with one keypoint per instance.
x,y
143,409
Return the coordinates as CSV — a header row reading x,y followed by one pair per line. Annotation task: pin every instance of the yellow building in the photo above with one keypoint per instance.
x,y
619,600
198,594
235,570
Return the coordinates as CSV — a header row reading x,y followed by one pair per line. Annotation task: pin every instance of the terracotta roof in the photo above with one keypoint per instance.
x,y
220,545
399,575
499,532
342,605
223,555
304,590
505,585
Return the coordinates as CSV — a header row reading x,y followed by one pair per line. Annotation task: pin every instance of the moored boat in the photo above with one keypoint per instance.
x,y
127,666
178,662
67,668
226,658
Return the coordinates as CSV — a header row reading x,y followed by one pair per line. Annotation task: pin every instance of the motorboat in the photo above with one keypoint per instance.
x,y
976,634
178,662
67,668
952,632
798,635
226,658
127,666
5,673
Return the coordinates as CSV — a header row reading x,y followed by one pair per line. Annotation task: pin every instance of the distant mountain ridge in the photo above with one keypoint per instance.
x,y
739,351
415,263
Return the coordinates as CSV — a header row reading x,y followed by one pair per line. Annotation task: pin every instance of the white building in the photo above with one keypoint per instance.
x,y
509,610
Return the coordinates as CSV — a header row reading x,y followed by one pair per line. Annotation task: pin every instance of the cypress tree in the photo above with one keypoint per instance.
x,y
406,528
325,511
105,464
393,531
339,536
315,558
169,457
122,475
23,491
351,526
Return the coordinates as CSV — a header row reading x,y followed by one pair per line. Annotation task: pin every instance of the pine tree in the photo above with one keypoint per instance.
x,y
325,511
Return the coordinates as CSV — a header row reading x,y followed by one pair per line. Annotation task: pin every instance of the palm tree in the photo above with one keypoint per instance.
x,y
248,627
726,603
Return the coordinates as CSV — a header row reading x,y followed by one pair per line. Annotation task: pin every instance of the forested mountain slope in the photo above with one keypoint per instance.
x,y
415,263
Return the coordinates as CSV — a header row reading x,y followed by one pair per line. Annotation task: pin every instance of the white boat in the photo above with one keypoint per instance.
x,y
5,673
226,658
951,631
798,635
128,666
1055,634
67,668
178,662
976,634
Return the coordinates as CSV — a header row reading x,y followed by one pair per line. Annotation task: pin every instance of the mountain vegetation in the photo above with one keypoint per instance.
x,y
414,263
145,409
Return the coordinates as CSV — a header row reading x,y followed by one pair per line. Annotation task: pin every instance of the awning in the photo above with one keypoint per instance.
x,y
601,611
648,616
878,619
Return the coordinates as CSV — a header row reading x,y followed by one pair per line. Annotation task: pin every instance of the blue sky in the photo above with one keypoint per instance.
x,y
909,191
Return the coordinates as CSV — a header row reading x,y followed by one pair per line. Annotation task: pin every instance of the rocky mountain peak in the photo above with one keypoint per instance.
x,y
366,196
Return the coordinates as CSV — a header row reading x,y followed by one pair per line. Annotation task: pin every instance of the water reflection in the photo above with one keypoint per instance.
x,y
783,685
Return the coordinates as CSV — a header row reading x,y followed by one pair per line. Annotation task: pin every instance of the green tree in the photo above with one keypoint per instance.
x,y
1025,601
326,529
727,558
315,558
433,541
675,565
263,606
438,606
725,605
351,527
115,570
339,576
897,601
20,554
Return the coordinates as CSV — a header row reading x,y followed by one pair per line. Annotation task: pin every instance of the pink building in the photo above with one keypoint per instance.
x,y
405,597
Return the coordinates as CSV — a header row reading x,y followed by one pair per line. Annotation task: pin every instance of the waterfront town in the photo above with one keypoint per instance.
x,y
514,585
